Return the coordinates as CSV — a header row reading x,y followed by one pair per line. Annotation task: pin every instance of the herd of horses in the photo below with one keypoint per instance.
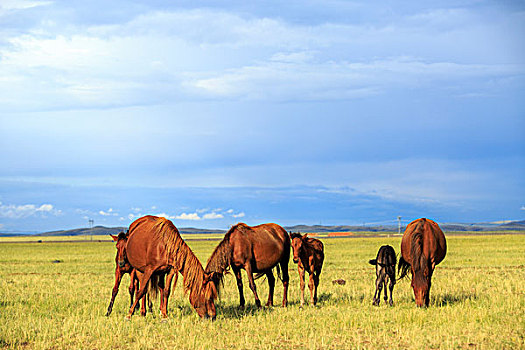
x,y
153,253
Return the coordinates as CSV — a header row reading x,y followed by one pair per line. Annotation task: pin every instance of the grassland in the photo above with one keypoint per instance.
x,y
477,302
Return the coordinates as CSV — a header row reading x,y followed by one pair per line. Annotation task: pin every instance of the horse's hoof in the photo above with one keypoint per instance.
x,y
164,320
127,318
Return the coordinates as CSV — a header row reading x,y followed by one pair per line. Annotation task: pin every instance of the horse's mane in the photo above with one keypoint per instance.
x,y
220,259
184,259
419,259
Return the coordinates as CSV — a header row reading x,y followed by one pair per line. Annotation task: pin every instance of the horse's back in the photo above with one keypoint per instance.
x,y
386,255
143,247
265,244
434,243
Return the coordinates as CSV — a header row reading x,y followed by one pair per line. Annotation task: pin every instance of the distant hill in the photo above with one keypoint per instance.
x,y
447,227
102,230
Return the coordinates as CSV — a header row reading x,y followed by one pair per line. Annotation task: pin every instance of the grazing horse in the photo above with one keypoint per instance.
x,y
123,267
423,246
308,254
385,264
256,249
155,248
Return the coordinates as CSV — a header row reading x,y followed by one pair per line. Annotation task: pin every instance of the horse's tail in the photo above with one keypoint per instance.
x,y
372,262
402,268
153,287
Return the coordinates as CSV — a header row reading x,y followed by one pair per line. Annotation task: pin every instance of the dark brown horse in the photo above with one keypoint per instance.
x,y
308,254
385,264
123,267
423,247
155,247
256,249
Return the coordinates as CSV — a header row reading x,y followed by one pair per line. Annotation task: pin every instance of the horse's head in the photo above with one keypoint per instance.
x,y
204,302
121,258
297,245
421,285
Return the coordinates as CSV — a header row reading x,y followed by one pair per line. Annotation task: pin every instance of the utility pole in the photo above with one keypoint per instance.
x,y
399,225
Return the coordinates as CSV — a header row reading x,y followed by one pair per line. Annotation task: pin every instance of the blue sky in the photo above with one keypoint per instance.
x,y
210,113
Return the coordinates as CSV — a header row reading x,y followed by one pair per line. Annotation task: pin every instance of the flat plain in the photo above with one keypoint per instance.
x,y
477,302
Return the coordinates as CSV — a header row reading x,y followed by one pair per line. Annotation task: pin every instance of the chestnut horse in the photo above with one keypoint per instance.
x,y
423,246
123,267
155,248
308,254
256,249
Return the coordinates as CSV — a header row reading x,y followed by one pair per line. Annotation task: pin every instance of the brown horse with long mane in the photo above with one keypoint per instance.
x,y
423,246
308,254
155,248
256,249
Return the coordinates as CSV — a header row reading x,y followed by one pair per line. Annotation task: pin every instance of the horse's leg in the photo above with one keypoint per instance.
x,y
166,292
142,290
391,287
118,278
316,284
131,289
300,268
238,277
385,281
379,287
271,285
311,284
143,304
249,272
286,279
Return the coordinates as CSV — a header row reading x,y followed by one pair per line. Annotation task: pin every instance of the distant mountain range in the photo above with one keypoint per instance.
x,y
447,227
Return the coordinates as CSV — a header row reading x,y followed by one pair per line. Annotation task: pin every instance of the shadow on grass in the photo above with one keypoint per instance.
x,y
449,299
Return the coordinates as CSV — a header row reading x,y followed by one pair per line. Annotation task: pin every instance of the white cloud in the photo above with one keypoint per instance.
x,y
21,4
240,215
191,216
190,54
211,216
110,212
13,211
522,208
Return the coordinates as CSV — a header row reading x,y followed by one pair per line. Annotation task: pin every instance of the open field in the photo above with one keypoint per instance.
x,y
477,302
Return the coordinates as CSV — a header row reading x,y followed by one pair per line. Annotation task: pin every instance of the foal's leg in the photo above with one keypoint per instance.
x,y
140,294
316,284
118,278
249,272
300,268
271,285
132,287
379,287
391,287
385,281
311,285
238,277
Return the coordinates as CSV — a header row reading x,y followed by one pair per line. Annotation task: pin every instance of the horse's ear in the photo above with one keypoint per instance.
x,y
305,235
114,237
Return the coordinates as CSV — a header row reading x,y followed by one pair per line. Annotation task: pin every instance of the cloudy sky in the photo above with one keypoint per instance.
x,y
211,113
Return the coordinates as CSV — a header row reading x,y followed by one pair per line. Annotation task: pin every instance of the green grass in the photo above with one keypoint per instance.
x,y
477,302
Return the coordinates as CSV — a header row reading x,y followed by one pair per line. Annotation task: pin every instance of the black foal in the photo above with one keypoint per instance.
x,y
385,269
